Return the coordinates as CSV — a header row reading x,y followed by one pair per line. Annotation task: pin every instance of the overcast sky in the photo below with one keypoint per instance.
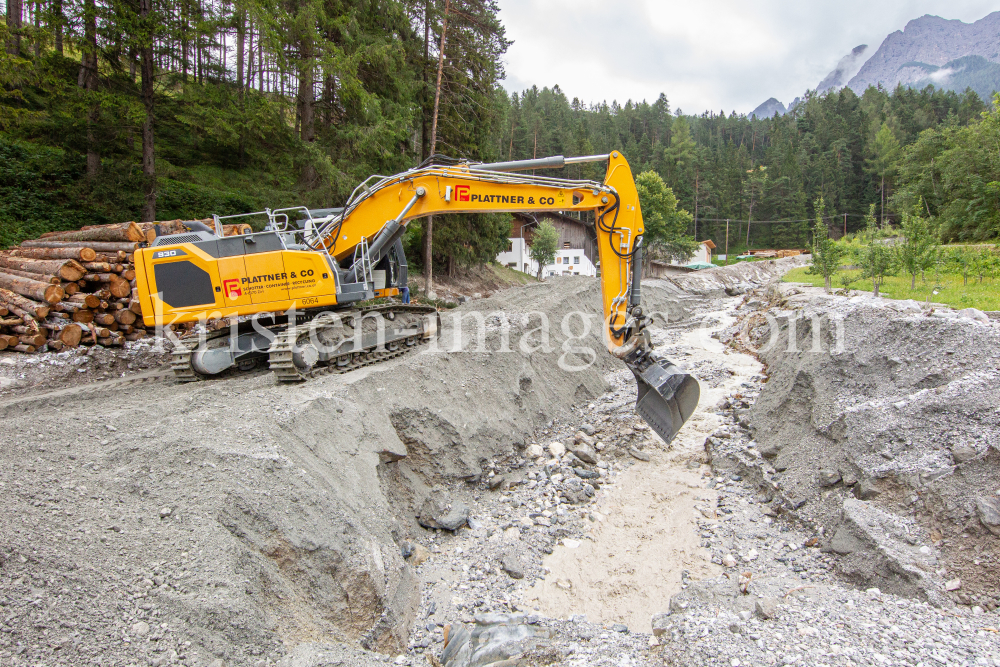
x,y
704,54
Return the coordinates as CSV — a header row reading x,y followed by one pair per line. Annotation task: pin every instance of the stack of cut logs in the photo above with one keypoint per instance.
x,y
71,288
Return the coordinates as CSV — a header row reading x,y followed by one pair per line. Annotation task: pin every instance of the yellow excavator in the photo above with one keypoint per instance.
x,y
299,294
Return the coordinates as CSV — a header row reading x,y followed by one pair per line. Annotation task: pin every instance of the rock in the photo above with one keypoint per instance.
x,y
583,473
535,451
165,512
848,477
729,560
989,513
418,554
496,482
637,454
745,615
511,564
953,585
829,477
766,608
140,629
557,449
588,429
619,627
963,453
865,490
218,662
974,314
437,513
585,452
660,623
874,553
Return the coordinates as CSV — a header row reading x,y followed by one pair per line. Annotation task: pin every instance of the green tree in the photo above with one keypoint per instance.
x,y
665,227
884,153
916,250
826,253
876,259
544,242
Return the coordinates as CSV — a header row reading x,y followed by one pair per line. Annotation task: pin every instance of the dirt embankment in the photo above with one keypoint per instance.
x,y
879,424
236,519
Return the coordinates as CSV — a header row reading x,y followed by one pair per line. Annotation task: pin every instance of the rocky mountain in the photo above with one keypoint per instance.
x,y
930,50
769,108
928,41
845,70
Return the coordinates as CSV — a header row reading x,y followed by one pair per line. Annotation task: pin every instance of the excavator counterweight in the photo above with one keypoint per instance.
x,y
306,280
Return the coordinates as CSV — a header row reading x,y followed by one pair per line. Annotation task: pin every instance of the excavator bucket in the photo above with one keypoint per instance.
x,y
666,398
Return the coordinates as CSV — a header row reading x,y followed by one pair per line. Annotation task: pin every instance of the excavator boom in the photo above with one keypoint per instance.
x,y
331,261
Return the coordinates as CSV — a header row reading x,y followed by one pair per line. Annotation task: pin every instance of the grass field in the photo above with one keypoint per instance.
x,y
945,288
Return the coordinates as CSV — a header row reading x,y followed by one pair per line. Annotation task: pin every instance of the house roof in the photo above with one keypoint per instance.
x,y
708,244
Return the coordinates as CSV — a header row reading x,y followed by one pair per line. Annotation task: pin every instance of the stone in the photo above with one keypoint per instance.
x,y
583,473
637,454
974,314
619,627
729,560
218,662
865,490
963,453
437,513
418,554
660,624
766,608
165,512
496,482
511,564
746,615
953,585
535,451
988,510
585,452
140,628
829,477
557,449
588,429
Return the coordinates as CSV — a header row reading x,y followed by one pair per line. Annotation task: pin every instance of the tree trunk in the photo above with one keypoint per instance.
x,y
429,234
15,10
875,284
828,282
424,131
148,157
306,104
57,21
87,80
913,281
241,28
38,30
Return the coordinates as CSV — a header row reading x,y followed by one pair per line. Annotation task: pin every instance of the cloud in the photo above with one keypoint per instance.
x,y
941,76
713,54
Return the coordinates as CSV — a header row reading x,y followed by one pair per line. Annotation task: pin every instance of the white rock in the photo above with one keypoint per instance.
x,y
534,451
141,628
571,544
557,449
729,560
953,585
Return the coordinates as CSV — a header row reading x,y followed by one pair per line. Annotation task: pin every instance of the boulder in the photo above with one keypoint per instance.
x,y
440,513
557,449
989,513
585,452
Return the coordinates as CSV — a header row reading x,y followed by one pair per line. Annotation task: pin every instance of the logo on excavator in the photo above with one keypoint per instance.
x,y
462,192
232,288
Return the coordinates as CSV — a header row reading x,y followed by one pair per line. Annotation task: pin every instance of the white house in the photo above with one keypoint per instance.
x,y
576,254
702,254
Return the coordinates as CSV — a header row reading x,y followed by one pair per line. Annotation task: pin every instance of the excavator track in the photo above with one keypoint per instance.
x,y
180,358
281,354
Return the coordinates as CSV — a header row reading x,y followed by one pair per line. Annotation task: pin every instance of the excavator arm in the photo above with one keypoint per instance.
x,y
377,213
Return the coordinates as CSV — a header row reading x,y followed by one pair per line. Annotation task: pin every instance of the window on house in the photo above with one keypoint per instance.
x,y
558,260
576,260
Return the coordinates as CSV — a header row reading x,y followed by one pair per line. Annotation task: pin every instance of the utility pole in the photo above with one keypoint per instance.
x,y
727,241
428,234
845,224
